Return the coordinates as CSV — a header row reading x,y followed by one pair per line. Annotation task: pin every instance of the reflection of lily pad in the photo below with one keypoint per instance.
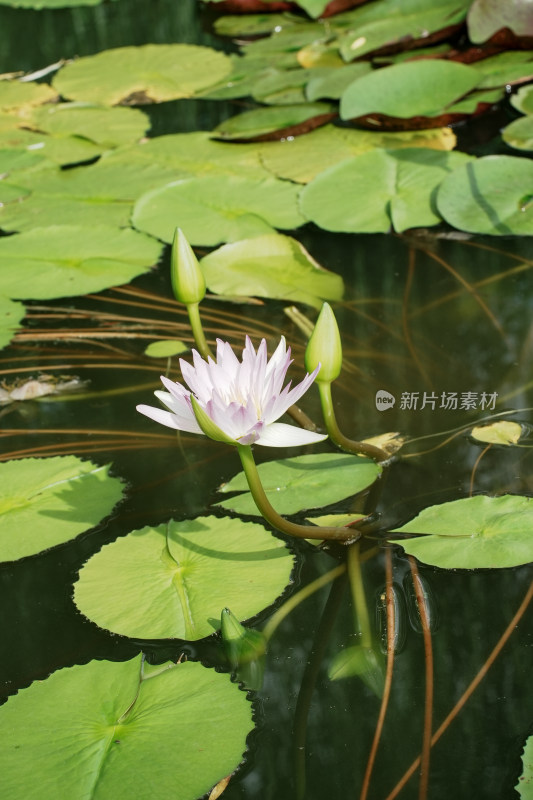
x,y
467,198
312,481
110,730
173,581
47,501
368,193
152,73
67,260
270,266
473,533
11,313
415,88
218,209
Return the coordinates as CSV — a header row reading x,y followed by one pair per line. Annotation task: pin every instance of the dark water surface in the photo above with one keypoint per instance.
x,y
412,322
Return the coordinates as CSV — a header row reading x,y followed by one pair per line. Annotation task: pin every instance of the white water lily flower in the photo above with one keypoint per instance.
x,y
241,399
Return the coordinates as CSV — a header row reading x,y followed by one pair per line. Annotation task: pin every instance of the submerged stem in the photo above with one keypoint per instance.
x,y
335,434
262,502
362,618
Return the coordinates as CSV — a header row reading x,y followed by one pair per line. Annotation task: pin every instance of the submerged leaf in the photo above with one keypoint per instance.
x,y
172,581
296,484
47,501
274,266
109,729
473,533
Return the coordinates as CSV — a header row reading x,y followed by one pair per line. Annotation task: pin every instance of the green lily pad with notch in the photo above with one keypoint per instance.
x,y
310,481
524,787
21,96
48,501
172,581
368,193
389,22
478,532
152,73
523,100
412,89
11,314
216,209
519,134
273,266
491,195
68,260
264,121
123,729
304,157
99,194
109,127
487,17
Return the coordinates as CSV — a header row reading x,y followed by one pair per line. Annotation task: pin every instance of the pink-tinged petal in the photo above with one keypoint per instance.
x,y
253,435
158,415
280,435
291,397
175,389
181,410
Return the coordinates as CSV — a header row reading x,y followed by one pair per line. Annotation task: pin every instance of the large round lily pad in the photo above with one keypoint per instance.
x,y
152,73
47,501
491,195
376,189
473,533
311,481
109,730
66,260
270,266
216,209
173,581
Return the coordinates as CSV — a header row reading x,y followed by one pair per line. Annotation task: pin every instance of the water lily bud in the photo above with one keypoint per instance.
x,y
324,347
188,282
241,645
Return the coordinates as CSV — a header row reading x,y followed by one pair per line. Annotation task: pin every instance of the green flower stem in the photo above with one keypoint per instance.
x,y
193,309
271,515
349,445
362,619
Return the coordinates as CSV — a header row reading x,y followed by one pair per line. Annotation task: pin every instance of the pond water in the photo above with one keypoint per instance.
x,y
421,316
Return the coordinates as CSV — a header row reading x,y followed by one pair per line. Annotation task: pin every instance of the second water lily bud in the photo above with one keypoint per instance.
x,y
324,347
188,282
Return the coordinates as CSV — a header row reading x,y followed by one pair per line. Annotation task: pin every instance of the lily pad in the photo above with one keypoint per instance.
x,y
218,209
67,260
274,266
173,581
165,348
11,313
523,100
109,729
152,73
368,193
414,88
304,157
62,150
519,134
473,533
48,501
504,69
109,127
333,81
524,787
390,22
502,432
265,121
17,96
310,481
100,194
486,17
467,198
